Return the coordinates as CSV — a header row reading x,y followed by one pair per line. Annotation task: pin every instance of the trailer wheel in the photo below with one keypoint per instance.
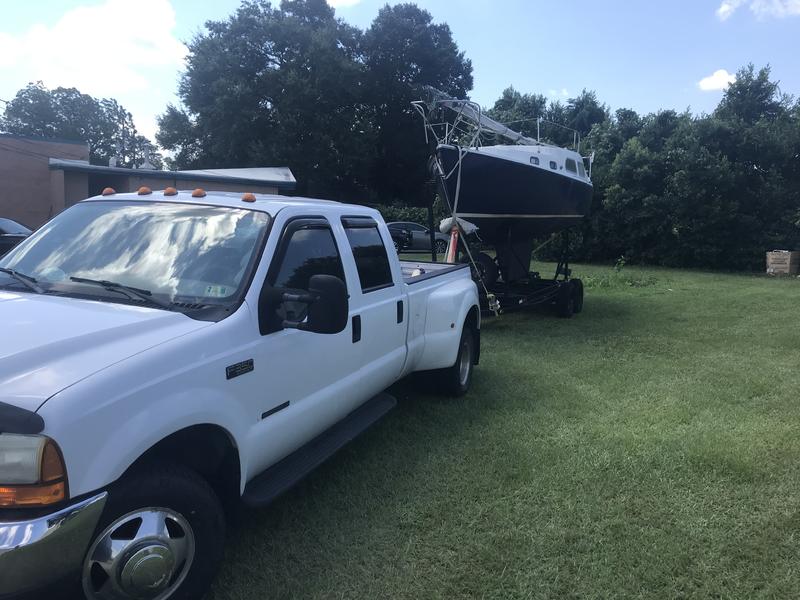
x,y
577,291
565,300
486,268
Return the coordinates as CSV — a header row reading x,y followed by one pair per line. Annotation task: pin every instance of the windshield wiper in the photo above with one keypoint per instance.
x,y
113,286
22,278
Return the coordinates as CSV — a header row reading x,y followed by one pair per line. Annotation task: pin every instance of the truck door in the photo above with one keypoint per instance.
x,y
377,303
305,381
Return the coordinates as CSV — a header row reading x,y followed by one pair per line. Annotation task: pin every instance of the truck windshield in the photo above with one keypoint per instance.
x,y
177,254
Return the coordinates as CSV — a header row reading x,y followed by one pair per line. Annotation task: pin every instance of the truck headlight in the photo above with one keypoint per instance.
x,y
32,471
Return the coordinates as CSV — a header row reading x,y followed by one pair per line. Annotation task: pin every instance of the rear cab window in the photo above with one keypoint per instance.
x,y
369,253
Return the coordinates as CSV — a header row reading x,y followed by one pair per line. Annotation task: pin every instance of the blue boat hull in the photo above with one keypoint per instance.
x,y
509,200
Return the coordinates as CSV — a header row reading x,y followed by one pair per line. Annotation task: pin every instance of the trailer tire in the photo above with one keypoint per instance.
x,y
577,290
455,380
486,268
565,300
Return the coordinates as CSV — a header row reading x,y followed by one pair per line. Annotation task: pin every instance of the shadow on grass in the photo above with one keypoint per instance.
x,y
292,547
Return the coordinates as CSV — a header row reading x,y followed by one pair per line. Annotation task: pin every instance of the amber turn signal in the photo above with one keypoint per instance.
x,y
27,496
51,487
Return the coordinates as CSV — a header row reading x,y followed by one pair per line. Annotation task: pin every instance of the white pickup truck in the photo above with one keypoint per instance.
x,y
165,353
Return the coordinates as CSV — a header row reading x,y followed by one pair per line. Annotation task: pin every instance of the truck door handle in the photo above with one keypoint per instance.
x,y
356,328
399,311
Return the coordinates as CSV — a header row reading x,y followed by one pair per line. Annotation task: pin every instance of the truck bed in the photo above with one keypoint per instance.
x,y
415,271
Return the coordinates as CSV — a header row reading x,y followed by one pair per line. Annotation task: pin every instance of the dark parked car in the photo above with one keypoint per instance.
x,y
419,238
11,234
401,239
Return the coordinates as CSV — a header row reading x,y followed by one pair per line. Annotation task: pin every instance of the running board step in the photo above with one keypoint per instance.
x,y
281,476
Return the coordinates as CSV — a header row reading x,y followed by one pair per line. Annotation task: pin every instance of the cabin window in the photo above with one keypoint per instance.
x,y
553,164
534,160
369,251
571,166
581,169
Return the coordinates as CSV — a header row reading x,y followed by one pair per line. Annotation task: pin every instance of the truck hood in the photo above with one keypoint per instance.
x,y
48,343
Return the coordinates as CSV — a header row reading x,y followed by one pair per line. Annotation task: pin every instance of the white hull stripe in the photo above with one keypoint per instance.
x,y
509,216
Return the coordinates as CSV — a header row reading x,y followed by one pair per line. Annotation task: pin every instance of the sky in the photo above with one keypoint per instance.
x,y
641,54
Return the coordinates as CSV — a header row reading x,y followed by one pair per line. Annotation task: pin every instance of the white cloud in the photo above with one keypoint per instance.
x,y
762,9
727,8
718,80
343,3
105,50
562,93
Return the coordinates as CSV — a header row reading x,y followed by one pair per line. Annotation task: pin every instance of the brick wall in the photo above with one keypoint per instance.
x,y
27,189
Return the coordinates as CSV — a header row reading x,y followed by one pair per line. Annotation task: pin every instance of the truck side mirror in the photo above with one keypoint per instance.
x,y
327,306
329,312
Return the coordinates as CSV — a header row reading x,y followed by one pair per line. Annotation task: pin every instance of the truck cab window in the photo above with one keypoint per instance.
x,y
369,252
309,251
570,165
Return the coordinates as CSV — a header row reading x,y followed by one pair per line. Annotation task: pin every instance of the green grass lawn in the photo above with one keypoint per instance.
x,y
648,447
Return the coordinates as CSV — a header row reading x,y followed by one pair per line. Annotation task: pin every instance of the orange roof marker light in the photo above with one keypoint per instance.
x,y
199,193
170,191
248,197
144,190
109,191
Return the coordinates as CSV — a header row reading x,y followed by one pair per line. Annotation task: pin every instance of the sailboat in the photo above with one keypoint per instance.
x,y
513,192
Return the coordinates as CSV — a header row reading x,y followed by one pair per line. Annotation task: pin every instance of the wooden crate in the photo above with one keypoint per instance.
x,y
783,262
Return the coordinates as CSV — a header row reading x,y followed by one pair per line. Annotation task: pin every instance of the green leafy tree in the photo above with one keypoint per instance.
x,y
274,86
519,111
404,49
104,125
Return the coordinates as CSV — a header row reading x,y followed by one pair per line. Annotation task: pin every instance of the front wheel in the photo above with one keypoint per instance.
x,y
455,380
441,247
161,536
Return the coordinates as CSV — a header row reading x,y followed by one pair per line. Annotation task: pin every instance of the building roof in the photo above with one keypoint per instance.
x,y
36,138
278,177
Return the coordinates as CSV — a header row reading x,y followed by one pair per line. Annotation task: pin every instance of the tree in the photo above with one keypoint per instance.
x,y
274,86
294,85
104,125
519,111
404,50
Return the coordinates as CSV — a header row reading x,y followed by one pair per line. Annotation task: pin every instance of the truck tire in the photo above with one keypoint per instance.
x,y
455,381
441,247
565,300
161,536
577,291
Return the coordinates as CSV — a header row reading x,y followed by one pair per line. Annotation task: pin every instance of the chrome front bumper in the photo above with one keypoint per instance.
x,y
41,551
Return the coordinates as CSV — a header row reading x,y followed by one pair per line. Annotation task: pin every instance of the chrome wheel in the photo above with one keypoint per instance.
x,y
144,555
465,359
